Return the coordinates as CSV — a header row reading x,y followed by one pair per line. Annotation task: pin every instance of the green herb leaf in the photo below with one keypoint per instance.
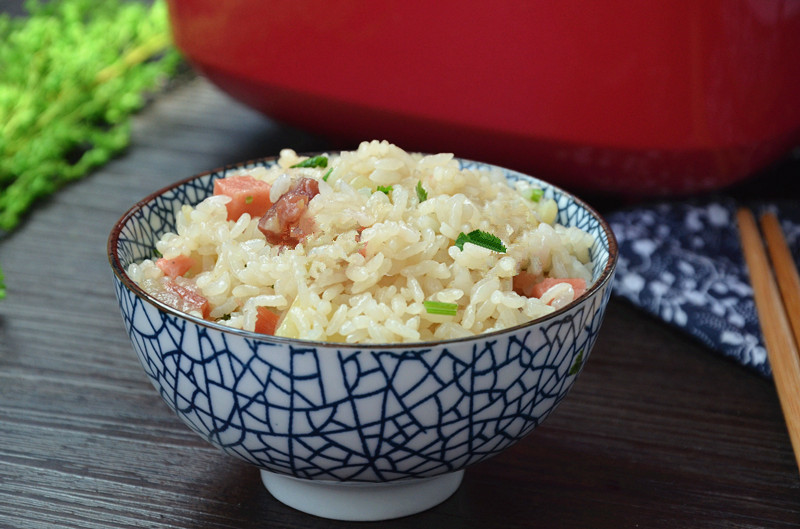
x,y
385,189
440,307
325,177
248,199
316,161
537,194
480,238
422,195
576,365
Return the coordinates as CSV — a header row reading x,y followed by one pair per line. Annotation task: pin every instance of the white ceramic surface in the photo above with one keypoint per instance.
x,y
362,501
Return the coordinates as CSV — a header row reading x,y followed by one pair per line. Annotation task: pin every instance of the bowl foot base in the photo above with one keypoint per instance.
x,y
361,501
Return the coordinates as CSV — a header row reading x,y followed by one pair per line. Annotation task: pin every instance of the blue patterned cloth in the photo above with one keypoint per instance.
x,y
682,262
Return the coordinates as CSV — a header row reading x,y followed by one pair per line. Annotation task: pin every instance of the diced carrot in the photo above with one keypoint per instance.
x,y
578,285
248,195
523,283
176,266
266,320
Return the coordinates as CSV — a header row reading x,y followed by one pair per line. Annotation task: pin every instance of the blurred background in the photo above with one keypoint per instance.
x,y
620,98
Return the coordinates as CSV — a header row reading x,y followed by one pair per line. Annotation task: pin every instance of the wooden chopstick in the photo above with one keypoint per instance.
x,y
782,349
785,270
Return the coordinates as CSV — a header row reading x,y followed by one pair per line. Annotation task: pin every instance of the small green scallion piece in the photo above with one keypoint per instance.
x,y
536,194
325,177
422,195
480,238
577,364
440,307
248,199
315,161
385,189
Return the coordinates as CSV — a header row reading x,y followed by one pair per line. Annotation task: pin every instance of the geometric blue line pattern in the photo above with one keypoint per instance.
x,y
354,412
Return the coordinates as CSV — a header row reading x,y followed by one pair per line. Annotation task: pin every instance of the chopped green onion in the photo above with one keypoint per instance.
x,y
325,177
576,365
157,254
440,307
316,161
248,200
480,238
537,194
422,195
385,189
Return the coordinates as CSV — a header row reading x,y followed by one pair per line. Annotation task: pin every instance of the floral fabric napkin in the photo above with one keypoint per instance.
x,y
682,262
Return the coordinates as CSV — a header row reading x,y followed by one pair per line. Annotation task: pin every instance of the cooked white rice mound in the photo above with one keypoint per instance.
x,y
375,257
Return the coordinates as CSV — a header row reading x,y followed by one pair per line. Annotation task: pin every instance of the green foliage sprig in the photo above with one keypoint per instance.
x,y
72,72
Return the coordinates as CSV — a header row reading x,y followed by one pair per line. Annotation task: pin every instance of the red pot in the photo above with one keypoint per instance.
x,y
642,98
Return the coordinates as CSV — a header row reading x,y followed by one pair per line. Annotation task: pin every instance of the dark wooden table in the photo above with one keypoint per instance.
x,y
658,431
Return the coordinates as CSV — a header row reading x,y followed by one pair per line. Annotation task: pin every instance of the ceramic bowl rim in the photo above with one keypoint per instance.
x,y
122,276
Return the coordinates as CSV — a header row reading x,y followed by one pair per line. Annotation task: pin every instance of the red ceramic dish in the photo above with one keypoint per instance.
x,y
657,97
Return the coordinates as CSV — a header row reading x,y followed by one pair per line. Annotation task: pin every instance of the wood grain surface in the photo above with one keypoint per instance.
x,y
657,432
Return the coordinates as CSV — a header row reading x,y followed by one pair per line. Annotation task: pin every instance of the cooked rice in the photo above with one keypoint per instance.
x,y
327,291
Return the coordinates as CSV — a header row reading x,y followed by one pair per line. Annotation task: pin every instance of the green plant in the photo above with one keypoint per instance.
x,y
72,72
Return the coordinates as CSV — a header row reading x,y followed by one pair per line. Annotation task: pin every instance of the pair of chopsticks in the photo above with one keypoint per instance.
x,y
777,298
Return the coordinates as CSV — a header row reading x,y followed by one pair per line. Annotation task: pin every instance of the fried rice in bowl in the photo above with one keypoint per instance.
x,y
362,326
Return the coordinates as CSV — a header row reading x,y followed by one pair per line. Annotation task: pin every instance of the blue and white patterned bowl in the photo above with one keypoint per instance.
x,y
358,432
